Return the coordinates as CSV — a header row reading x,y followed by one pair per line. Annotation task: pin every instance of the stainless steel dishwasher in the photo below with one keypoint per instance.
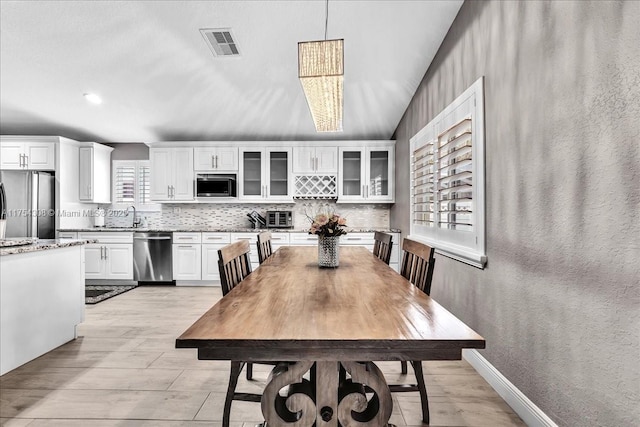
x,y
152,257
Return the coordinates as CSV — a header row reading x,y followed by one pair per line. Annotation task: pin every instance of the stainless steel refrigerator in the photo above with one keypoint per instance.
x,y
30,203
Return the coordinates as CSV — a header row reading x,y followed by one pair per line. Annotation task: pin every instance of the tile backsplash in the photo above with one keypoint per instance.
x,y
228,215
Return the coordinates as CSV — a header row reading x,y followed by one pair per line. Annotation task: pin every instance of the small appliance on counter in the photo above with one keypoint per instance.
x,y
98,218
257,220
279,219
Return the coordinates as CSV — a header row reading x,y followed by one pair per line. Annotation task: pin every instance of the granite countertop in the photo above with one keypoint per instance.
x,y
204,229
16,241
34,245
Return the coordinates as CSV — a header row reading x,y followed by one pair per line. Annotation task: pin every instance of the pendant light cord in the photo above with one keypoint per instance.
x,y
326,19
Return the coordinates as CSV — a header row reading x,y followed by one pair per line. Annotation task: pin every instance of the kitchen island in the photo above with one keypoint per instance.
x,y
41,298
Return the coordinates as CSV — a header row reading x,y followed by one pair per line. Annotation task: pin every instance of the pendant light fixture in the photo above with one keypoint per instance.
x,y
321,71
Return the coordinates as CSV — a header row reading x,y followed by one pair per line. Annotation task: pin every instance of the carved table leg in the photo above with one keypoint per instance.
x,y
338,401
296,410
354,410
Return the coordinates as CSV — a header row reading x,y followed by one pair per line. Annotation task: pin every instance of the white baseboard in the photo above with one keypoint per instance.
x,y
521,405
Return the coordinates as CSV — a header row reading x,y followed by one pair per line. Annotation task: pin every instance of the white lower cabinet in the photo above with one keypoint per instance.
x,y
195,257
252,238
302,239
187,261
211,243
111,257
277,240
367,240
186,256
67,235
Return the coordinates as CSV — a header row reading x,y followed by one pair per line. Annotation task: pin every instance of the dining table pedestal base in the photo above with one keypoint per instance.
x,y
334,394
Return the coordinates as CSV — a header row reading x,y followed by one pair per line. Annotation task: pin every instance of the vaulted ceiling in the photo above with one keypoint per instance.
x,y
160,81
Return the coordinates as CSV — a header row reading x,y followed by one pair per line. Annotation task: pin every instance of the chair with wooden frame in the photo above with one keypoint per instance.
x,y
382,246
234,265
417,267
264,246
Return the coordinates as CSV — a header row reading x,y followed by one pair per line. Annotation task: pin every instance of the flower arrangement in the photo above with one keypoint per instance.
x,y
328,225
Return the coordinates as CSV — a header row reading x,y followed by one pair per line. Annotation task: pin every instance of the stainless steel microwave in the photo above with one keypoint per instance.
x,y
215,185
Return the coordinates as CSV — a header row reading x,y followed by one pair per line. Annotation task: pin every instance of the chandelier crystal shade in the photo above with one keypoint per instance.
x,y
321,71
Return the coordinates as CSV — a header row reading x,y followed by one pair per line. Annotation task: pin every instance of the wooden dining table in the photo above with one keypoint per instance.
x,y
326,327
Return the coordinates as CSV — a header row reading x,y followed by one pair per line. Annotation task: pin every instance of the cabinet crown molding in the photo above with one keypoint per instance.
x,y
272,143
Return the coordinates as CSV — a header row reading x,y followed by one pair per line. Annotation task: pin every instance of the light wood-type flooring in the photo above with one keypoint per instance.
x,y
123,370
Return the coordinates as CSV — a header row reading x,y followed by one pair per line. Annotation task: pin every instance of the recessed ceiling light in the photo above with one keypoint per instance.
x,y
93,98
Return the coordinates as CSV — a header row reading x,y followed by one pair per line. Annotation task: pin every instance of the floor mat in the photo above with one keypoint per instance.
x,y
93,294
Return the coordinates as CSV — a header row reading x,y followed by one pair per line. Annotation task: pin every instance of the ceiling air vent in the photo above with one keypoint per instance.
x,y
220,41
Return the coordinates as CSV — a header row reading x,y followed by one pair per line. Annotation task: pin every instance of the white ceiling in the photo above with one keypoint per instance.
x,y
160,82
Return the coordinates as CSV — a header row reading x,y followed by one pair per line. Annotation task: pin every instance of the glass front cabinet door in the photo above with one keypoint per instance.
x,y
366,174
265,174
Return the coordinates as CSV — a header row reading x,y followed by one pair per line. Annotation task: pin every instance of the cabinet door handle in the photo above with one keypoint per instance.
x,y
216,161
316,168
106,253
20,160
26,161
184,246
311,161
266,191
213,165
168,191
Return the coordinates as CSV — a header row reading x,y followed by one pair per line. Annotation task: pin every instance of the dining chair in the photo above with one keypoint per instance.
x,y
264,246
234,265
417,267
382,246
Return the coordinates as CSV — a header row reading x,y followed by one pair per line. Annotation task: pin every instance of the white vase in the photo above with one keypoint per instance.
x,y
3,228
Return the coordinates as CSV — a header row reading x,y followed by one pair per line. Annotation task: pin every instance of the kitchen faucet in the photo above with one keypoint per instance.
x,y
136,221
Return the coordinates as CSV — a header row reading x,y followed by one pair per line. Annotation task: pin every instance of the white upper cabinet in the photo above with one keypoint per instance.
x,y
315,160
366,174
216,159
25,155
95,174
351,171
265,174
171,173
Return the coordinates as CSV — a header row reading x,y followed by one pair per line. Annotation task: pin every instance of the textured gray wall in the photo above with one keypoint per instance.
x,y
559,300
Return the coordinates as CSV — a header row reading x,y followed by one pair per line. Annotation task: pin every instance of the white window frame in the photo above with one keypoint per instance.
x,y
465,246
137,164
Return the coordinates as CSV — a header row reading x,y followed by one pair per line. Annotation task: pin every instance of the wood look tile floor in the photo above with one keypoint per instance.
x,y
123,370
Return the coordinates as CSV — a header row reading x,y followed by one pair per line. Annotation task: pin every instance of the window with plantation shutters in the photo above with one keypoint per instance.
x,y
124,181
144,183
131,185
447,180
